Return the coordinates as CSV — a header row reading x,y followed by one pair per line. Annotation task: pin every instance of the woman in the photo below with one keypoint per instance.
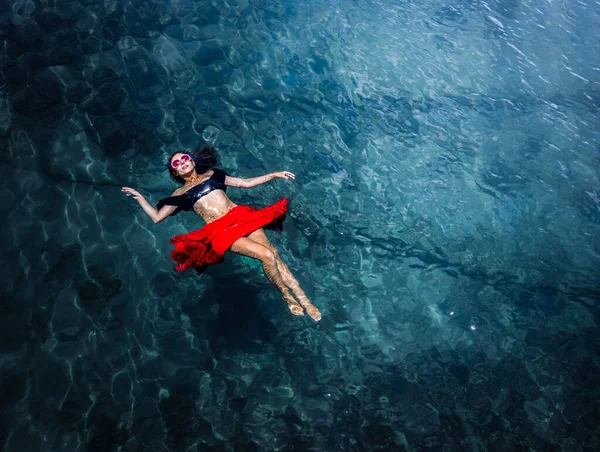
x,y
228,226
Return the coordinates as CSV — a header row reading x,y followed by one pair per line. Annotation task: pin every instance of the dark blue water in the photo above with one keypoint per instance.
x,y
445,219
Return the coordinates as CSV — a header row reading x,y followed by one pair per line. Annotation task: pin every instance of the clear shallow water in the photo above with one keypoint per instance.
x,y
445,219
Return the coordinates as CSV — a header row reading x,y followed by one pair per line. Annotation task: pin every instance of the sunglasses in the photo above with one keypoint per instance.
x,y
180,161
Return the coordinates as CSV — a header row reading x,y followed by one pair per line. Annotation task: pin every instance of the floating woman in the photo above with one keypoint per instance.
x,y
228,226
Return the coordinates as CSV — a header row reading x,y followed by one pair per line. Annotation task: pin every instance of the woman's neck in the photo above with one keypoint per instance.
x,y
192,178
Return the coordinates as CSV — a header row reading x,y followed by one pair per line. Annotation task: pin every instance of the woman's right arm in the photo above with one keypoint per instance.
x,y
156,215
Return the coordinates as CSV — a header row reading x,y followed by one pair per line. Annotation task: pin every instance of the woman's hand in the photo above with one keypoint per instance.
x,y
131,192
285,175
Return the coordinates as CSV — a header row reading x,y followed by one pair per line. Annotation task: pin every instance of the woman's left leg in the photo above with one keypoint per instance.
x,y
260,237
248,247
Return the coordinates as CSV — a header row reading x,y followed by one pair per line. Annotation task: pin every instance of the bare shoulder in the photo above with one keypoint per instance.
x,y
179,191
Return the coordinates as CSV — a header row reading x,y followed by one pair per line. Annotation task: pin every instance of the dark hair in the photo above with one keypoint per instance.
x,y
205,158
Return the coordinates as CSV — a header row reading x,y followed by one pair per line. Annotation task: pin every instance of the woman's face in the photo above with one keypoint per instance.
x,y
182,164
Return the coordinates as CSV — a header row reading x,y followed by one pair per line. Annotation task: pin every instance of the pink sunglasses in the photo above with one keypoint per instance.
x,y
180,161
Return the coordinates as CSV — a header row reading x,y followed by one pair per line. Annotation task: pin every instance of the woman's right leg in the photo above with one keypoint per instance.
x,y
290,281
250,248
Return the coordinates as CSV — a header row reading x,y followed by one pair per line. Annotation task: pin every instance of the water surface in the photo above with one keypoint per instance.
x,y
445,219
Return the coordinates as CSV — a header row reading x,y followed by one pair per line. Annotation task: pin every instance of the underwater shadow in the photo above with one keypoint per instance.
x,y
242,323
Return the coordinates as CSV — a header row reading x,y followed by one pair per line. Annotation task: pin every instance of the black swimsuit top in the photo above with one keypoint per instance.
x,y
187,200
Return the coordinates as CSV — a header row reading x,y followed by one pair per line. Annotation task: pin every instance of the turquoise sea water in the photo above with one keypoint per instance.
x,y
445,218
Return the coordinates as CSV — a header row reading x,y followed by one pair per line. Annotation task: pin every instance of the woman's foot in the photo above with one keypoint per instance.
x,y
311,309
293,305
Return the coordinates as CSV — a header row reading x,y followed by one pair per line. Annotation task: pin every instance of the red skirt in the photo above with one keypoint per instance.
x,y
207,245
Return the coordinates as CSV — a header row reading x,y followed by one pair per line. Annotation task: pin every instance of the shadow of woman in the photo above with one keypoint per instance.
x,y
243,321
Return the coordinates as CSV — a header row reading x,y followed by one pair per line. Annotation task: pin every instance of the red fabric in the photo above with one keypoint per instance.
x,y
207,245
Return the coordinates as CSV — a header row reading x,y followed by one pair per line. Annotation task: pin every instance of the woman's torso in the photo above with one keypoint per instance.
x,y
211,205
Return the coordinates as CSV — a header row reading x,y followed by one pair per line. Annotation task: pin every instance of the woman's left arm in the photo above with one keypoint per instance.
x,y
254,181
